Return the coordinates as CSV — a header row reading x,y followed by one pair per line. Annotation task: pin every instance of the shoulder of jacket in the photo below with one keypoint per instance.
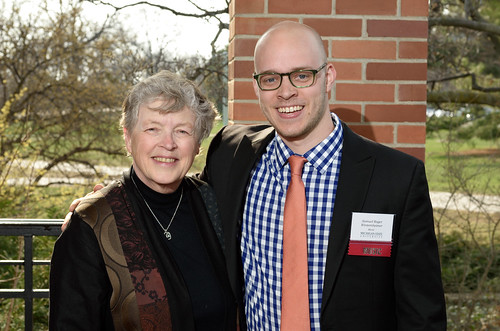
x,y
243,130
195,181
94,207
355,143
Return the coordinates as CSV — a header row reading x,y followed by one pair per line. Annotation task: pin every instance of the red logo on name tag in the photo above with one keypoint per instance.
x,y
370,248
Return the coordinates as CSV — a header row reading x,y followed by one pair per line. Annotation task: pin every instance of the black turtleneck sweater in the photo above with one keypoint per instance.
x,y
187,248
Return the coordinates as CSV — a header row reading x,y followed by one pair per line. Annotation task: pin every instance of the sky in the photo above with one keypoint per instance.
x,y
186,36
182,35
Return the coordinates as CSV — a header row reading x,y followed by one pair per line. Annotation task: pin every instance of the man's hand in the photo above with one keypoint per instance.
x,y
74,204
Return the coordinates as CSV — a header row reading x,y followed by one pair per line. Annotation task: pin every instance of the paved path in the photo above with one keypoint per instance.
x,y
489,203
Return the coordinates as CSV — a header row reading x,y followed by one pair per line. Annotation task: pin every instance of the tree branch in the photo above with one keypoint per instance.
x,y
465,23
474,85
205,13
464,97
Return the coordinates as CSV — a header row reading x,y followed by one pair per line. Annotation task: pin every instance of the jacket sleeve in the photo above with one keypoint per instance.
x,y
420,299
205,175
80,289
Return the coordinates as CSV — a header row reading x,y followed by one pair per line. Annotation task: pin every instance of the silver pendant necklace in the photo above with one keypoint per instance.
x,y
167,233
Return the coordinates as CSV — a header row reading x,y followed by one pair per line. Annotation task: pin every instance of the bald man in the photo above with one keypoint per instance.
x,y
372,253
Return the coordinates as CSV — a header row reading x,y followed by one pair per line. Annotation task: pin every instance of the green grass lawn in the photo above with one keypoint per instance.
x,y
474,161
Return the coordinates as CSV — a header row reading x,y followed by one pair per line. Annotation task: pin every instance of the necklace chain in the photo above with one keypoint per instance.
x,y
167,233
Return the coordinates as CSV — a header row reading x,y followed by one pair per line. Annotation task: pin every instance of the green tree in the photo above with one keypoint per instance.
x,y
62,79
464,52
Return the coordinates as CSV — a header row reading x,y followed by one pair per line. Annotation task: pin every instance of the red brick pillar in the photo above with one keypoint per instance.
x,y
379,49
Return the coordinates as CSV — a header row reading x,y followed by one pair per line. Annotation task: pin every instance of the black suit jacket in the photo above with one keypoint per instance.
x,y
400,292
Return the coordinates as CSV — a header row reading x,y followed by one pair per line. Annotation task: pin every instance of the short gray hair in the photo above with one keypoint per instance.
x,y
178,92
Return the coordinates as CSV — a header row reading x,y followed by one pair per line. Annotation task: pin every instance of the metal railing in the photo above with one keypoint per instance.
x,y
28,228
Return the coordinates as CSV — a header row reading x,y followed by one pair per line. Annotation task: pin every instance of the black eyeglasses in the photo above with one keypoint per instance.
x,y
269,81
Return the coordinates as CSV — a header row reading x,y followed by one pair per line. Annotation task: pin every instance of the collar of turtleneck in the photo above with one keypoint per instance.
x,y
163,203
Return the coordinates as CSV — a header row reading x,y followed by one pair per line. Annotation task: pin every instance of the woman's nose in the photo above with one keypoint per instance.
x,y
168,141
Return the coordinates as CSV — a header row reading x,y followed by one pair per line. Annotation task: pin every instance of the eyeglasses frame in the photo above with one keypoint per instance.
x,y
314,72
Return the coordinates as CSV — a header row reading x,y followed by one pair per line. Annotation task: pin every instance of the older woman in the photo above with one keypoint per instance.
x,y
145,252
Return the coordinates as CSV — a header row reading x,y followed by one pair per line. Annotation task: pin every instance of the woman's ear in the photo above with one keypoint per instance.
x,y
127,138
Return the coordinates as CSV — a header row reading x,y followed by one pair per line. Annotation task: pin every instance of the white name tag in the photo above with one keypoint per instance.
x,y
372,227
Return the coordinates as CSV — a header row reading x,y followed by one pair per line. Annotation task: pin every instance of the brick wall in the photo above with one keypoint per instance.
x,y
379,49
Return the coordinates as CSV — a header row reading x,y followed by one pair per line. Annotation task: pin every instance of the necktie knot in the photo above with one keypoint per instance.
x,y
296,164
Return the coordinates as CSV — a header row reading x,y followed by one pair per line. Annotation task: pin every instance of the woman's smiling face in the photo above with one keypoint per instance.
x,y
162,145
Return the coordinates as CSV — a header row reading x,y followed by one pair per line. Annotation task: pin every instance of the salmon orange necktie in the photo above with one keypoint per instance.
x,y
294,284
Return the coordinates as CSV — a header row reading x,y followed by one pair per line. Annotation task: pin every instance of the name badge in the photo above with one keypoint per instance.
x,y
371,234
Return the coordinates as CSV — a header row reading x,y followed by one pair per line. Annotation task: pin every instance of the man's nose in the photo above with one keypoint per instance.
x,y
286,90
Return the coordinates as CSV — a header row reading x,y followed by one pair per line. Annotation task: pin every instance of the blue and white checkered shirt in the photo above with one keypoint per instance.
x,y
262,229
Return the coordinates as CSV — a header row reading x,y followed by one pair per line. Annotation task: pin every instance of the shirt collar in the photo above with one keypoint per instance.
x,y
320,156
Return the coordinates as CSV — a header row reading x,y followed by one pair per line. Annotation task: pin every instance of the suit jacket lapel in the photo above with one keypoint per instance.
x,y
246,155
355,172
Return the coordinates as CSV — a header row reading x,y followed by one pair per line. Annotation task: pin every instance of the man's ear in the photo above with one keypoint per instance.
x,y
331,75
256,88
